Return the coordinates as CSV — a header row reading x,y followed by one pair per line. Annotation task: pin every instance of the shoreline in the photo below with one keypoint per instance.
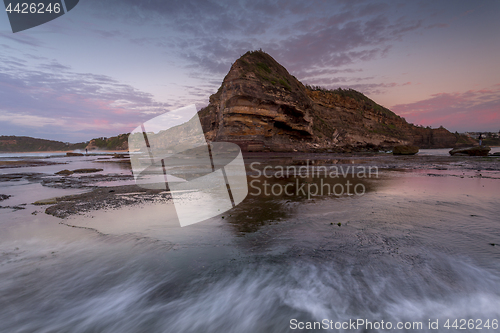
x,y
61,151
246,152
114,195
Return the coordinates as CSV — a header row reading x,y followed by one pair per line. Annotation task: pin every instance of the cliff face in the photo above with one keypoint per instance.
x,y
260,106
440,138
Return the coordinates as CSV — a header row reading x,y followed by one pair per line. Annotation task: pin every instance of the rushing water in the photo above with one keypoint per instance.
x,y
417,246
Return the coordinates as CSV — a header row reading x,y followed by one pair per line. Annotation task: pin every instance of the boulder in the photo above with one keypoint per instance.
x,y
471,151
405,150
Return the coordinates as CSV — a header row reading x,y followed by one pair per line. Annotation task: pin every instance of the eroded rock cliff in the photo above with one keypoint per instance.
x,y
261,107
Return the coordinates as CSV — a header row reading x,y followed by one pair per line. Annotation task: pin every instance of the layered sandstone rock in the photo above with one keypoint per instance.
x,y
261,107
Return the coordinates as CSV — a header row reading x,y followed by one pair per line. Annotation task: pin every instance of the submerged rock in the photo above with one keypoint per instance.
x,y
405,150
471,151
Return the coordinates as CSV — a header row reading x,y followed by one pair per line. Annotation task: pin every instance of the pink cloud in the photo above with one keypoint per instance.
x,y
473,110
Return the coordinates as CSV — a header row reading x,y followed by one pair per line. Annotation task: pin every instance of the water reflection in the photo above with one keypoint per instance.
x,y
277,191
254,213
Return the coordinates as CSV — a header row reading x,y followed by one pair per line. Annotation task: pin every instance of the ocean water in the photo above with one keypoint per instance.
x,y
417,246
49,154
52,162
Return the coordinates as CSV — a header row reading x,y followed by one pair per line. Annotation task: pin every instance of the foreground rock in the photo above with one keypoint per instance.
x,y
405,150
103,198
471,151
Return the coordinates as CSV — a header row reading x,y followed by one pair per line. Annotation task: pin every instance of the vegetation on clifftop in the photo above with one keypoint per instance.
x,y
27,144
355,96
113,143
265,68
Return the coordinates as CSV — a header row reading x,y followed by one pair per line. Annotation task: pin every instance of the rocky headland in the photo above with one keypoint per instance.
x,y
262,107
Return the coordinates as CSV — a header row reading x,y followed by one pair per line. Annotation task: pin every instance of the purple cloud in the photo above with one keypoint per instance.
x,y
473,110
52,99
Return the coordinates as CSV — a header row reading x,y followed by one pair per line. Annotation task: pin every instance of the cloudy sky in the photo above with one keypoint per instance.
x,y
106,66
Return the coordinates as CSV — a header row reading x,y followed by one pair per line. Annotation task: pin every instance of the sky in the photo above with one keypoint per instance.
x,y
107,66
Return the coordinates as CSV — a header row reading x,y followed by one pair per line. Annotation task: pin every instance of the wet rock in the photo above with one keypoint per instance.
x,y
471,151
84,181
405,150
103,198
25,163
74,154
13,207
69,172
4,197
64,172
117,155
50,201
29,176
88,170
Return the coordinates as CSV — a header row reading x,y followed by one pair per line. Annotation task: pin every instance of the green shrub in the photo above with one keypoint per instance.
x,y
263,67
285,84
